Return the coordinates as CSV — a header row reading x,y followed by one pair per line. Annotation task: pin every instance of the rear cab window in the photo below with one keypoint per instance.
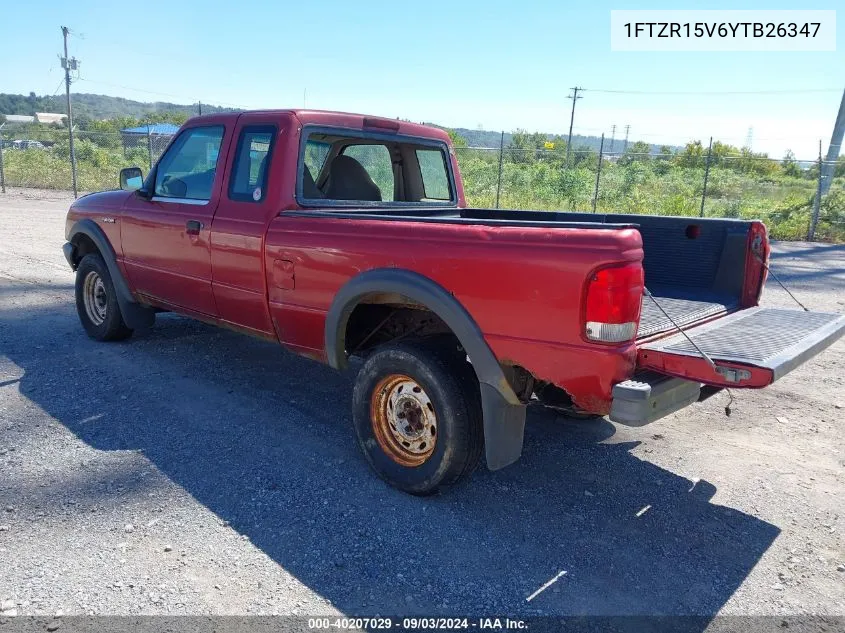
x,y
376,161
434,174
351,168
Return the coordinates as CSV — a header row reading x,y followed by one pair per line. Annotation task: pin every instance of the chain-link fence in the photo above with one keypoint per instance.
x,y
739,185
781,193
41,158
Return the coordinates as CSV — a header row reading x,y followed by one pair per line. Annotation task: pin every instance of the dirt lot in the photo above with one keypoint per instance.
x,y
194,470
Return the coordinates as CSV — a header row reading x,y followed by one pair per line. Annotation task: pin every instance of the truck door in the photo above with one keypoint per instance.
x,y
252,189
165,237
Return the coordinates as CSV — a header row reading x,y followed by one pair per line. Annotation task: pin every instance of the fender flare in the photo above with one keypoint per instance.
x,y
134,314
503,413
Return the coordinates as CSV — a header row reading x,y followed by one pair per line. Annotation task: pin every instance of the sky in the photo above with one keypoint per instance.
x,y
460,63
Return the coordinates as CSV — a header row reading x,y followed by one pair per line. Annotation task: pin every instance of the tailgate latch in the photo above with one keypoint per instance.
x,y
733,375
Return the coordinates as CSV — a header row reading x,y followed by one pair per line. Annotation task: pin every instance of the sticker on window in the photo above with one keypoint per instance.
x,y
256,194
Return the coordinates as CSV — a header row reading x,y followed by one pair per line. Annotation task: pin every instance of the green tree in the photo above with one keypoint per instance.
x,y
790,165
639,151
691,156
457,139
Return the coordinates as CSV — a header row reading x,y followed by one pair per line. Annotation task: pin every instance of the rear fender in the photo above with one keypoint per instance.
x,y
504,414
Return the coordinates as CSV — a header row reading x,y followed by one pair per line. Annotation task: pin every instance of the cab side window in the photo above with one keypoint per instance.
x,y
252,157
188,167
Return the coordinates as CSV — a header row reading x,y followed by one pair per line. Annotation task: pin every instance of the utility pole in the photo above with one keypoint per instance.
x,y
625,147
199,107
706,176
501,156
574,96
2,175
834,148
612,138
598,174
814,219
68,65
749,138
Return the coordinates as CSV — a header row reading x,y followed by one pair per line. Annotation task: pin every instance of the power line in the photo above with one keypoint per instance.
x,y
59,87
712,92
159,94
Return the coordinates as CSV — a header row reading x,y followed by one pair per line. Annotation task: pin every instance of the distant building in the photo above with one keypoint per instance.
x,y
19,118
50,117
162,129
153,138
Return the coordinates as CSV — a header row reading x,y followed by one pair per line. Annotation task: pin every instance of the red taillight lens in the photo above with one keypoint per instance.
x,y
613,303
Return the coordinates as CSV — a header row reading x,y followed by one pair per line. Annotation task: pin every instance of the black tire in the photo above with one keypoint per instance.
x,y
100,312
449,384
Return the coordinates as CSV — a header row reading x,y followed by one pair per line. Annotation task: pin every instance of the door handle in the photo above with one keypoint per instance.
x,y
193,227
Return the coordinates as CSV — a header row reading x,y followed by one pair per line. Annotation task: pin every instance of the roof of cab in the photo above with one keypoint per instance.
x,y
354,121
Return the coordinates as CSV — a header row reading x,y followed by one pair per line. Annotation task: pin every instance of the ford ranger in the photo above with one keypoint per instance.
x,y
339,235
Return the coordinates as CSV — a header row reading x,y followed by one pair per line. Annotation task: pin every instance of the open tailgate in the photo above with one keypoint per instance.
x,y
751,348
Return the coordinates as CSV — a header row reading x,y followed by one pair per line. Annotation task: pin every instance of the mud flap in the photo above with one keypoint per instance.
x,y
504,428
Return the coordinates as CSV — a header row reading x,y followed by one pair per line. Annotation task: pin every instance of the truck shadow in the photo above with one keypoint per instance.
x,y
263,439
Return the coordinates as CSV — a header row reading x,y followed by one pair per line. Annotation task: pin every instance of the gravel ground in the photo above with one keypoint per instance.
x,y
192,470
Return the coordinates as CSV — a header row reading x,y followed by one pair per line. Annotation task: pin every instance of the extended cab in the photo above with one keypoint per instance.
x,y
338,234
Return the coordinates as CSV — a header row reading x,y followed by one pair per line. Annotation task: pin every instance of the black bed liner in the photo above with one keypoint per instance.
x,y
685,307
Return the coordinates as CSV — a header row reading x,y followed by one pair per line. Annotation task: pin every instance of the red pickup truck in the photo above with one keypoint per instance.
x,y
341,235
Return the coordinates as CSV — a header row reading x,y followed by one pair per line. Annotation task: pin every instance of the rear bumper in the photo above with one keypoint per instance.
x,y
649,396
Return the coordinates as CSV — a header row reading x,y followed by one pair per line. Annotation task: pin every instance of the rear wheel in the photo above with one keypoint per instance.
x,y
417,416
96,301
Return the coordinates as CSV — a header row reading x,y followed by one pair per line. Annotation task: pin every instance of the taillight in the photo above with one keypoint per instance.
x,y
613,302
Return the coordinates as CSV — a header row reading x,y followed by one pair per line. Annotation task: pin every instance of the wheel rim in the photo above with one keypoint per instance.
x,y
404,420
94,297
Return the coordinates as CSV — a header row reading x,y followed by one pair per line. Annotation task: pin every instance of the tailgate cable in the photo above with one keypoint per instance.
x,y
709,360
780,283
704,355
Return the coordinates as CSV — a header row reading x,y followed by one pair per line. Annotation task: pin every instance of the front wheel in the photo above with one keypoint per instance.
x,y
96,301
417,416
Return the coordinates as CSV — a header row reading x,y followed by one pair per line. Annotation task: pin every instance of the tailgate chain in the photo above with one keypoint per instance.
x,y
704,355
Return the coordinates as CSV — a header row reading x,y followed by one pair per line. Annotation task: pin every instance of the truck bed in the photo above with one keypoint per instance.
x,y
683,307
694,267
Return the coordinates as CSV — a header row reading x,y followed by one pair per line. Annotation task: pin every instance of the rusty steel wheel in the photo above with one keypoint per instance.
x,y
416,409
404,421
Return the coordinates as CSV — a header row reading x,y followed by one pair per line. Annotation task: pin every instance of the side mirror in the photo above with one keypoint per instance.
x,y
131,178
